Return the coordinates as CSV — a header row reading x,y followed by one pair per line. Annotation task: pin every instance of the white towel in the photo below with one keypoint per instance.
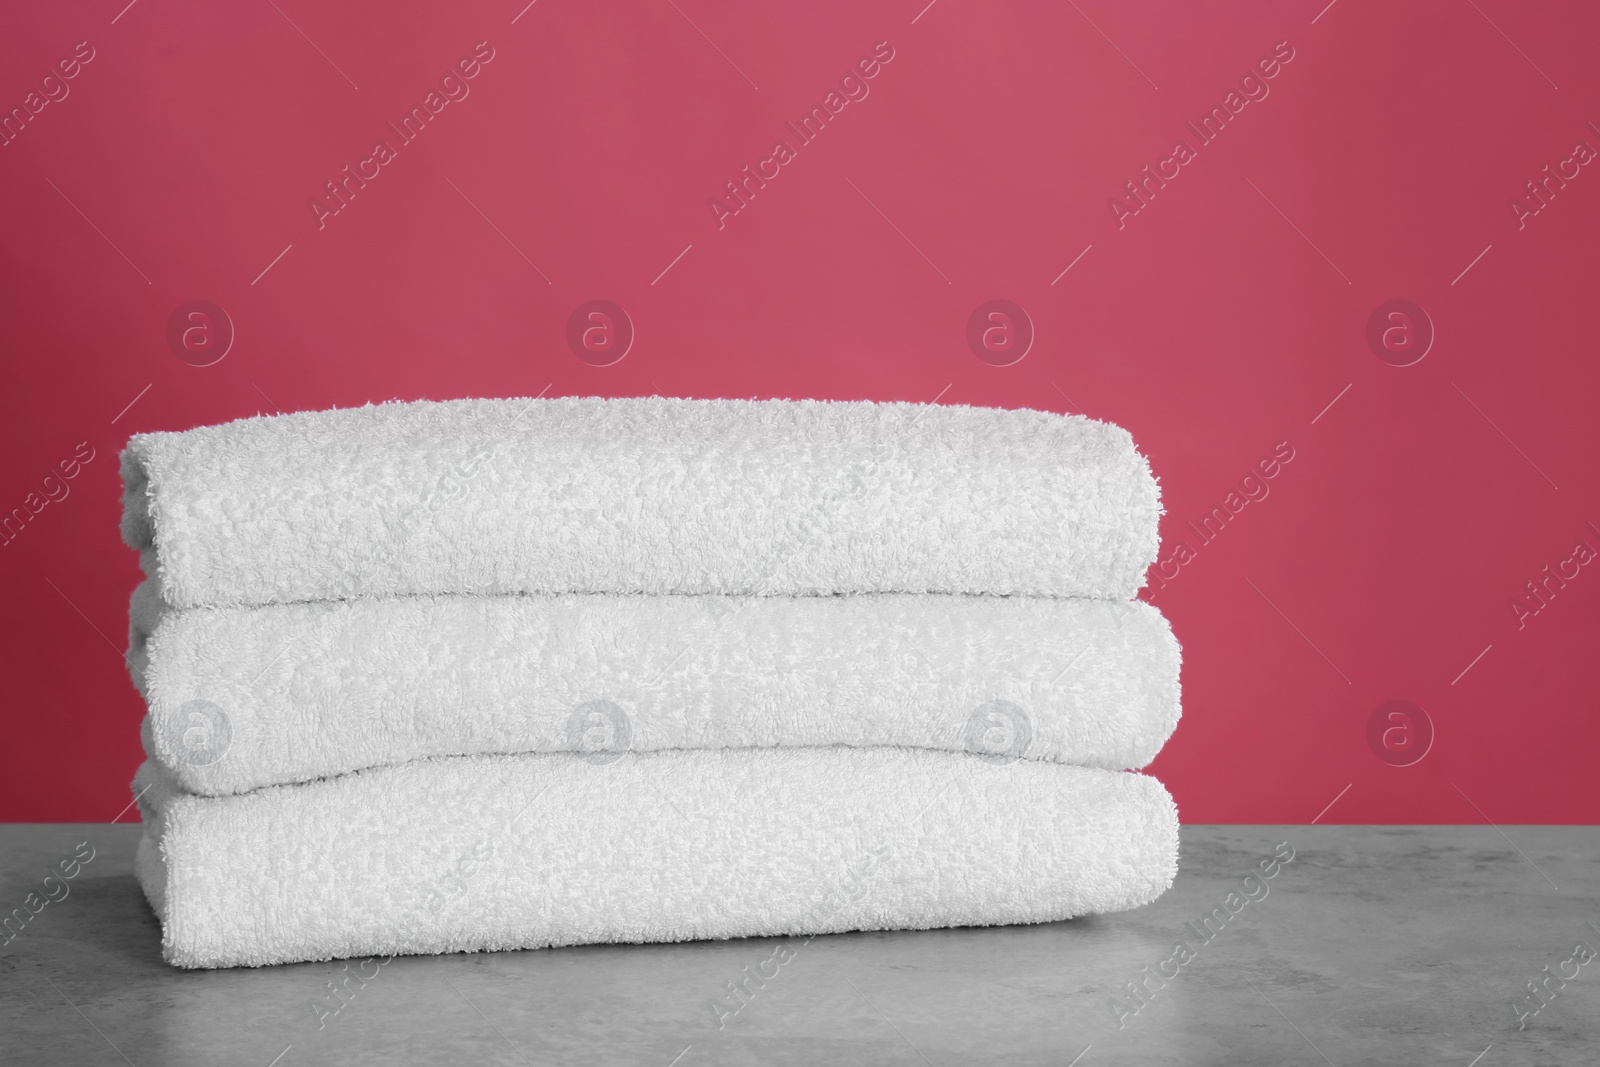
x,y
246,697
648,495
479,853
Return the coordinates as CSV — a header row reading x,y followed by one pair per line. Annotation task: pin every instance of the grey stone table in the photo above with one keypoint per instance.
x,y
1374,945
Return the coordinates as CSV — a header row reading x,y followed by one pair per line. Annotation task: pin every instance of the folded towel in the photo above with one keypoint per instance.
x,y
246,697
483,852
640,496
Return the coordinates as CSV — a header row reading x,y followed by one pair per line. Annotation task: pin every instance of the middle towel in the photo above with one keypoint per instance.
x,y
241,698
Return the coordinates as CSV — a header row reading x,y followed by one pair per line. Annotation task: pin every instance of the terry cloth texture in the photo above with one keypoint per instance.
x,y
652,495
246,697
502,852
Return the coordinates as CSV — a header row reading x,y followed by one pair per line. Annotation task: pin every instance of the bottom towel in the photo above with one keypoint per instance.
x,y
479,853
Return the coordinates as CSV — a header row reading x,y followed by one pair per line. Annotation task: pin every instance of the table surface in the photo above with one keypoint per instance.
x,y
1375,945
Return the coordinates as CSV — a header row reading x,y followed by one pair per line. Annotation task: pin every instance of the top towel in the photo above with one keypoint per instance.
x,y
648,495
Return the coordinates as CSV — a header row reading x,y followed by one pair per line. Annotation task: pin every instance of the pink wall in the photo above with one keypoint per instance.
x,y
1224,322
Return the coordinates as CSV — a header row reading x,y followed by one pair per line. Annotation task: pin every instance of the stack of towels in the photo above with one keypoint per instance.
x,y
495,674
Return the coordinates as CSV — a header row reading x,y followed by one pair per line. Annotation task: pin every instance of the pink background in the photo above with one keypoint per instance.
x,y
1220,320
